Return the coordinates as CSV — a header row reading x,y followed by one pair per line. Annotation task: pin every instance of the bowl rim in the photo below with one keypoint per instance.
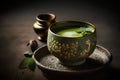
x,y
51,16
69,21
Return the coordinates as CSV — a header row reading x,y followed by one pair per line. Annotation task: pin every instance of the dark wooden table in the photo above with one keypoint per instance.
x,y
16,21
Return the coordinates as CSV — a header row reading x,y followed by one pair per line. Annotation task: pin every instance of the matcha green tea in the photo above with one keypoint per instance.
x,y
76,32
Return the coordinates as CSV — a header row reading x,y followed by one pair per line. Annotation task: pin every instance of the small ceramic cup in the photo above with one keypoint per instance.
x,y
71,50
42,23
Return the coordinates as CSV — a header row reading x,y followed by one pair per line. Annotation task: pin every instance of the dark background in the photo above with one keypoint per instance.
x,y
17,18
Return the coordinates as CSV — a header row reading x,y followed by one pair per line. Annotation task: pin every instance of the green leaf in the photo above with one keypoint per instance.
x,y
32,64
24,63
27,62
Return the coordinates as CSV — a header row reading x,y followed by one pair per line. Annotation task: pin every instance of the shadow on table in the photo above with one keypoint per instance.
x,y
108,73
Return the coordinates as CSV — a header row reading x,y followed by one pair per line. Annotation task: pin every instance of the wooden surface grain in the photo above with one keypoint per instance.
x,y
16,30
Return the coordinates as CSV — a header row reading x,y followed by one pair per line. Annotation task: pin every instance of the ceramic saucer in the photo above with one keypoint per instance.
x,y
50,64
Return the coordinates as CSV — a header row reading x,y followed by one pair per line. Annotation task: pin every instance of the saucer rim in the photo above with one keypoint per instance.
x,y
42,67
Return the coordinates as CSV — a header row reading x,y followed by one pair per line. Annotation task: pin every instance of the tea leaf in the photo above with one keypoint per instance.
x,y
24,63
32,64
27,62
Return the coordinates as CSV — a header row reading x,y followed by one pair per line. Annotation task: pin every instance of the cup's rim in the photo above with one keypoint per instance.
x,y
50,15
68,22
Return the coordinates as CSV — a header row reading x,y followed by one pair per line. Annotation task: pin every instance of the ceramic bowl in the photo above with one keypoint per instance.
x,y
71,50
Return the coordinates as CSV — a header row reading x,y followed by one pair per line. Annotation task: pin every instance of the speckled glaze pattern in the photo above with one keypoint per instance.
x,y
71,51
99,59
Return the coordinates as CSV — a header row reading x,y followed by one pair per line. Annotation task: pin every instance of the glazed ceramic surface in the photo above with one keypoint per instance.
x,y
71,50
100,58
